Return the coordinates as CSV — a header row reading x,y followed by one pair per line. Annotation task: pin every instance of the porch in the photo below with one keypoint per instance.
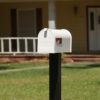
x,y
70,14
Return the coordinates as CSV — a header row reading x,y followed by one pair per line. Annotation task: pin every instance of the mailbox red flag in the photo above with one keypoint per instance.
x,y
59,41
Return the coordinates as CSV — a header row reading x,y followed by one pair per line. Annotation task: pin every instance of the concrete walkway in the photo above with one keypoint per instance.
x,y
43,67
21,69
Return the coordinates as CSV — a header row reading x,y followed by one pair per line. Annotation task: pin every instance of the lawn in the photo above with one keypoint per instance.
x,y
79,82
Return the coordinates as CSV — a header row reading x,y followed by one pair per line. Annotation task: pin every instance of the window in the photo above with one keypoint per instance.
x,y
26,22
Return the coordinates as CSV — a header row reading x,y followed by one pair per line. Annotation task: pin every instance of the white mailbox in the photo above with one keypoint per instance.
x,y
54,41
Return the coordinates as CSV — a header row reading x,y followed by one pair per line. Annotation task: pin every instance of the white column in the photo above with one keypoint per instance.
x,y
51,14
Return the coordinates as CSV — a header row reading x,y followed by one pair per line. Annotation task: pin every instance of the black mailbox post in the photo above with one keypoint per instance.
x,y
55,76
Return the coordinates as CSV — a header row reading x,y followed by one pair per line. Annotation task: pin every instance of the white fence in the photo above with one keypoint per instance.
x,y
18,45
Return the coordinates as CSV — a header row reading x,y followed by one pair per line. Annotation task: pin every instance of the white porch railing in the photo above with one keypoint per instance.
x,y
18,45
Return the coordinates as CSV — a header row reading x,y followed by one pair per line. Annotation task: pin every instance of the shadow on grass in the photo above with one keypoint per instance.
x,y
84,66
5,67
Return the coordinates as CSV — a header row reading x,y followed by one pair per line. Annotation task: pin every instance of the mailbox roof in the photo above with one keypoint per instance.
x,y
52,33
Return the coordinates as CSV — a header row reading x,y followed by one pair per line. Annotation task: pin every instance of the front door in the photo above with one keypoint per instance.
x,y
94,28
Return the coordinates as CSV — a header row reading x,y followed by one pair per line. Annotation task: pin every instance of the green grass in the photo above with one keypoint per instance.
x,y
79,82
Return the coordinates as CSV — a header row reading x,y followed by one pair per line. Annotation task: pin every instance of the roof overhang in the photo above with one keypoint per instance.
x,y
4,1
21,0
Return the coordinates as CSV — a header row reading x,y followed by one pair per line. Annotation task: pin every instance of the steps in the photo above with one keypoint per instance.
x,y
68,58
84,58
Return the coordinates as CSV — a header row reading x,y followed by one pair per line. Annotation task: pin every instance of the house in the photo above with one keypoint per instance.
x,y
26,18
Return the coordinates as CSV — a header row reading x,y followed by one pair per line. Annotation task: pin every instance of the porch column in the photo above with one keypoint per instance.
x,y
54,59
52,14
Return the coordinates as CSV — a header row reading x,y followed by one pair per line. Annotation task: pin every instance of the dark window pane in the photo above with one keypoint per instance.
x,y
91,20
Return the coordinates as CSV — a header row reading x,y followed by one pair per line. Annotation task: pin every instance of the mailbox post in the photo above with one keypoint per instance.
x,y
55,76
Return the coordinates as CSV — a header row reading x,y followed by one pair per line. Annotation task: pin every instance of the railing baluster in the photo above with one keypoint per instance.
x,y
2,45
